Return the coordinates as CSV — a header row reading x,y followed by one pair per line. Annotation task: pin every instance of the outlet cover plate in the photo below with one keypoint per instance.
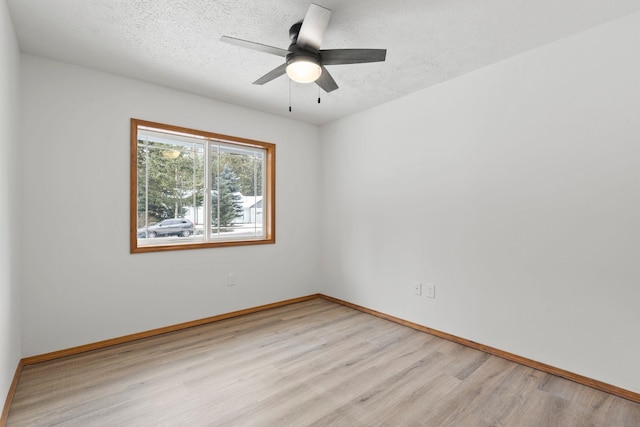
x,y
231,279
430,290
417,288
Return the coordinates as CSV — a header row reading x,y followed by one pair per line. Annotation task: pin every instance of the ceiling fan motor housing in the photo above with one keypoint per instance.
x,y
303,55
295,50
294,31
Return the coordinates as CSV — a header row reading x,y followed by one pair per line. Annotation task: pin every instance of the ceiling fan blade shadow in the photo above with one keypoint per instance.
x,y
313,28
275,73
352,56
326,82
255,46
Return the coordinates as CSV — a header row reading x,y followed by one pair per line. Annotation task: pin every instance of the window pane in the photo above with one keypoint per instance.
x,y
170,185
238,179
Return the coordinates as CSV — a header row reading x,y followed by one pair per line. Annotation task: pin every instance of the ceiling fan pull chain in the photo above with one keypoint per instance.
x,y
318,94
289,95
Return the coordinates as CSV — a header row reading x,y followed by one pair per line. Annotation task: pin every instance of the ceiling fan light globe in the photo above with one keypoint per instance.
x,y
304,70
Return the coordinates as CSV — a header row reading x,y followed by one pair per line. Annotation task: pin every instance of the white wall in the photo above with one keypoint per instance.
x,y
9,202
514,189
81,284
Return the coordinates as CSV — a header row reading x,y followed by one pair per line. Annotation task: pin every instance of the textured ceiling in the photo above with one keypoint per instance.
x,y
176,43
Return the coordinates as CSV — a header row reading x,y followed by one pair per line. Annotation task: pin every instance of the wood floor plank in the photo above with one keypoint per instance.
x,y
313,363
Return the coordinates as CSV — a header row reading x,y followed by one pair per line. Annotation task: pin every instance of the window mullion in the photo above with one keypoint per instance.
x,y
146,188
254,162
217,180
206,208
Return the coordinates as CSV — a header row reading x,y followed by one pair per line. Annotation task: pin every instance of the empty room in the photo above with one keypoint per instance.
x,y
286,213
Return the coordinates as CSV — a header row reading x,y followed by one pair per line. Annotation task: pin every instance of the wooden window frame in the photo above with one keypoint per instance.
x,y
269,211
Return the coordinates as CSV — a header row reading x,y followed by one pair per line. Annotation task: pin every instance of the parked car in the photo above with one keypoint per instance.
x,y
168,227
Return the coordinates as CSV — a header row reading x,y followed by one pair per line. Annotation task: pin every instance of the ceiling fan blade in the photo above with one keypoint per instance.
x,y
276,72
326,82
352,56
313,28
255,46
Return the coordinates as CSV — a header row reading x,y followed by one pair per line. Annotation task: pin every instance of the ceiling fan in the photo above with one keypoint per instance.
x,y
304,60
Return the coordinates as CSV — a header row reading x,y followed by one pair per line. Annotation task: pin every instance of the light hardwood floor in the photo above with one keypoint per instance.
x,y
311,363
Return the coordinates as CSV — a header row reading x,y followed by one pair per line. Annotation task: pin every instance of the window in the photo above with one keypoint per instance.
x,y
193,189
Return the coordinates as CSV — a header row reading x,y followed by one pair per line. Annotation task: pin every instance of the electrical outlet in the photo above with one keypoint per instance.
x,y
417,288
430,290
231,279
